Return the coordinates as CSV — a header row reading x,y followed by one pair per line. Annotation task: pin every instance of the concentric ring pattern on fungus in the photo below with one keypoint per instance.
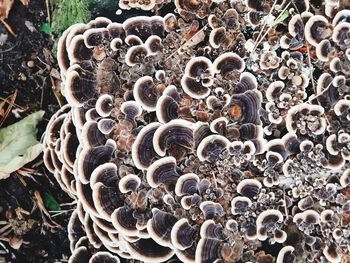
x,y
219,133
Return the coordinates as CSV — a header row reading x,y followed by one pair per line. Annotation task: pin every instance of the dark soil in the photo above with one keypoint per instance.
x,y
26,62
33,83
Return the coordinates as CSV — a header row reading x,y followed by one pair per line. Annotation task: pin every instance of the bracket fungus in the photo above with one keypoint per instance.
x,y
218,133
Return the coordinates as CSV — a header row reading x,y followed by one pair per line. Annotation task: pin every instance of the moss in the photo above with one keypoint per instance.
x,y
68,12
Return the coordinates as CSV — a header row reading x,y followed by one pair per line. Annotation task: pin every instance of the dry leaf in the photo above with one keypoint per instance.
x,y
25,2
5,7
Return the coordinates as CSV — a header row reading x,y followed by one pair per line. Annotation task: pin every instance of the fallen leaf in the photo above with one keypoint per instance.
x,y
16,242
5,7
51,203
46,28
25,2
282,18
18,144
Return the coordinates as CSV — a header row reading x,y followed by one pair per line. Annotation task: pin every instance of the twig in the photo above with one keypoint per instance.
x,y
188,41
9,49
308,55
61,212
263,27
9,108
43,211
69,204
48,10
285,204
8,28
323,91
270,27
5,229
42,92
215,183
311,67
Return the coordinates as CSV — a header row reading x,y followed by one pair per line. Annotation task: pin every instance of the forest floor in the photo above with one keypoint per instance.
x,y
28,76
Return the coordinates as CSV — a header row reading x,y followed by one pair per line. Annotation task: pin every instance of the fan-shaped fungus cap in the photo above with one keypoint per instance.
x,y
154,44
341,35
274,90
167,107
78,88
132,110
106,126
123,220
129,183
341,16
217,37
210,229
170,22
106,200
116,44
143,152
211,209
198,77
175,136
78,52
309,216
208,250
91,136
99,22
312,116
240,204
182,234
306,203
345,178
104,105
228,63
145,93
317,29
94,37
149,251
90,158
162,171
247,81
244,107
267,221
101,257
211,146
341,106
219,125
331,253
106,173
249,188
187,184
159,227
249,131
116,30
187,255
62,53
133,40
136,55
285,255
81,254
324,50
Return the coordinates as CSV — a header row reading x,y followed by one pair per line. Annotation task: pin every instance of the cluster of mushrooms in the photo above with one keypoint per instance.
x,y
218,133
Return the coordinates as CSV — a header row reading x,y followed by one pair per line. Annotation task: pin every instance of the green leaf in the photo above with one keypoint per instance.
x,y
283,17
50,203
18,144
46,28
